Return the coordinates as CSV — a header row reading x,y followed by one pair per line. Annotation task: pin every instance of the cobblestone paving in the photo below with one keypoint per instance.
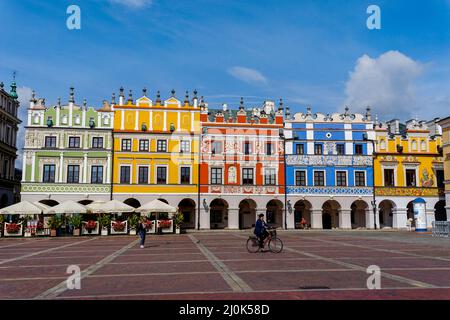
x,y
216,265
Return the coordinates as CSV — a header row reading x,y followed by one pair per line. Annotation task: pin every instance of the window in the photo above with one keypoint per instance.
x,y
389,178
216,147
270,177
216,176
143,175
185,146
97,143
414,145
358,149
161,146
247,147
126,144
319,178
50,142
340,148
300,178
73,174
185,175
300,149
410,177
360,178
49,173
144,145
269,148
341,178
161,175
125,174
318,149
247,176
74,142
97,174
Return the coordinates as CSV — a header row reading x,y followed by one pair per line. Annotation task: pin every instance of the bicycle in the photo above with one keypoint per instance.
x,y
274,243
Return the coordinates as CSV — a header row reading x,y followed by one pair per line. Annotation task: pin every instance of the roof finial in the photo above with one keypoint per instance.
x,y
144,92
13,92
288,113
241,105
173,93
121,92
368,114
202,101
84,103
2,85
113,98
130,96
280,106
186,98
72,95
59,102
33,96
158,97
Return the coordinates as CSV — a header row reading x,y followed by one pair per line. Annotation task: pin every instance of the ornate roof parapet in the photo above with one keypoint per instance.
x,y
368,115
347,115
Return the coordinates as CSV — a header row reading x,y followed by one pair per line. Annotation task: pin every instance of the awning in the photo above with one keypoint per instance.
x,y
68,207
156,206
23,208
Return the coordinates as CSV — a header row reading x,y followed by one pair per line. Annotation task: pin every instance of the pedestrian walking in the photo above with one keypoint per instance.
x,y
142,231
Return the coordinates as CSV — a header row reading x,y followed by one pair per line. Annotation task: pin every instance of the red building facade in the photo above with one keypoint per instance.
x,y
241,166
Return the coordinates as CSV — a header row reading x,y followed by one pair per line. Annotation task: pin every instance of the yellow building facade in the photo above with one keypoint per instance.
x,y
408,164
445,125
156,151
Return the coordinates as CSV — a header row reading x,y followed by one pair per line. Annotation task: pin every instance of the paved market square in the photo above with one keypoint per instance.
x,y
216,265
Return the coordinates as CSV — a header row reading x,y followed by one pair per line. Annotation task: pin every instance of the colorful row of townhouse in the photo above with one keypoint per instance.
x,y
223,167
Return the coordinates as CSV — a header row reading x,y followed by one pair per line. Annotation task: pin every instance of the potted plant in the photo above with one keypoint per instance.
x,y
54,223
165,224
178,220
2,220
118,226
75,221
105,221
133,221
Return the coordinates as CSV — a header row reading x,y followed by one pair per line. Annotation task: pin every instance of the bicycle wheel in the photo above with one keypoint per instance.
x,y
252,245
275,245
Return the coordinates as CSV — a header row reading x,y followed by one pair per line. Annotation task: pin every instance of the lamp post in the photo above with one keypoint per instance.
x,y
374,201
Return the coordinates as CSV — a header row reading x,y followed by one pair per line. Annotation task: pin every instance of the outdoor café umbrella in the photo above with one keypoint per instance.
x,y
96,207
23,208
115,206
158,207
68,207
41,205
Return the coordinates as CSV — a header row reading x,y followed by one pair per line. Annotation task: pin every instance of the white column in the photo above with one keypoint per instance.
x,y
369,219
150,121
33,166
29,118
165,121
233,218
42,120
399,218
205,222
316,219
136,120
85,167
58,110
345,221
24,166
70,114
290,218
61,167
108,169
83,118
430,217
122,120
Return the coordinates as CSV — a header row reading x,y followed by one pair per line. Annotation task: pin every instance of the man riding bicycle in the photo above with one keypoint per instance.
x,y
261,230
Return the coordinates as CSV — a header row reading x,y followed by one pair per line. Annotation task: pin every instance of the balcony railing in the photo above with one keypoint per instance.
x,y
65,187
409,191
358,191
328,160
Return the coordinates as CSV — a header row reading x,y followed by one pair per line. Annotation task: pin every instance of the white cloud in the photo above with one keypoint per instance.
x,y
386,83
24,94
247,75
135,4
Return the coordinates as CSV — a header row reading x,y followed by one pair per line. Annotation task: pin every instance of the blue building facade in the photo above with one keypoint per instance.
x,y
329,169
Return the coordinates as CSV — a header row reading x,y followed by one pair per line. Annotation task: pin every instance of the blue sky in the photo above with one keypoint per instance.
x,y
317,53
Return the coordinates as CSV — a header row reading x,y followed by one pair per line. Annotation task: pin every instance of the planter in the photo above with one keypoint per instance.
x,y
133,232
177,230
76,232
53,233
104,231
153,228
27,234
119,227
13,230
166,226
90,231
